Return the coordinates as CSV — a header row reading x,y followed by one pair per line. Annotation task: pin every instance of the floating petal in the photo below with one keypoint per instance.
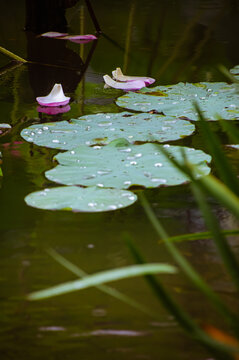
x,y
55,98
53,34
79,39
119,76
127,86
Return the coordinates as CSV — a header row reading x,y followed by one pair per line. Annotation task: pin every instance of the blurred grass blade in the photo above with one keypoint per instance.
x,y
195,277
12,55
220,241
221,192
209,183
222,165
227,74
231,130
221,351
101,278
104,288
200,236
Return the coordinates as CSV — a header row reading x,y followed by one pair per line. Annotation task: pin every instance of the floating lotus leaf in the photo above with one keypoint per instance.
x,y
235,71
92,199
103,128
214,99
121,165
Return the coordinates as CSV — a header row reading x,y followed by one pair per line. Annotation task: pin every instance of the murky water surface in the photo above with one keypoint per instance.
x,y
171,41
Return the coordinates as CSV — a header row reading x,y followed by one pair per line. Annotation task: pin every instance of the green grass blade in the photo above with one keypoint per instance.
x,y
200,236
102,278
104,288
220,241
195,277
12,55
227,74
222,165
231,130
220,192
221,351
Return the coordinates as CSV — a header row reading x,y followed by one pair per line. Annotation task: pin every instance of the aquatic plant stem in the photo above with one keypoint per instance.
x,y
93,16
12,55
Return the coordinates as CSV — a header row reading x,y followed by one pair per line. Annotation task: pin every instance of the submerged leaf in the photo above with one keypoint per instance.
x,y
124,166
91,199
103,128
177,100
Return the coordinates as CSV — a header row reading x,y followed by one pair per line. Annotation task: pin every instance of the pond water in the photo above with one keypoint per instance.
x,y
172,41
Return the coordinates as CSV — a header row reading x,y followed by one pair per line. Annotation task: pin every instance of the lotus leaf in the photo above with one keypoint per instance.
x,y
91,199
214,99
103,128
121,165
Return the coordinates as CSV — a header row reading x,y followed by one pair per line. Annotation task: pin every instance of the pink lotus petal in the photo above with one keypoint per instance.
x,y
119,76
53,34
55,98
79,39
127,86
54,110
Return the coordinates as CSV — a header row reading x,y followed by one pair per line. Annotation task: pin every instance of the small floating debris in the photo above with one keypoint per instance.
x,y
55,98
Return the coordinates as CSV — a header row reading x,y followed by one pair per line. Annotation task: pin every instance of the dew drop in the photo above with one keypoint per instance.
x,y
166,146
73,152
161,181
138,155
133,162
127,183
55,141
100,185
126,150
92,204
112,207
96,147
158,164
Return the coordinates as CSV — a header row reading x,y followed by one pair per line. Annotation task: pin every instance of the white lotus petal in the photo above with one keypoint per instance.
x,y
127,86
55,98
119,76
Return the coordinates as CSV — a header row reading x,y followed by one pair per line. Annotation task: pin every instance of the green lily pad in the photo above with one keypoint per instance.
x,y
214,99
103,128
91,199
121,165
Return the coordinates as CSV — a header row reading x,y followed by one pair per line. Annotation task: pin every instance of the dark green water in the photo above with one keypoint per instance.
x,y
171,41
